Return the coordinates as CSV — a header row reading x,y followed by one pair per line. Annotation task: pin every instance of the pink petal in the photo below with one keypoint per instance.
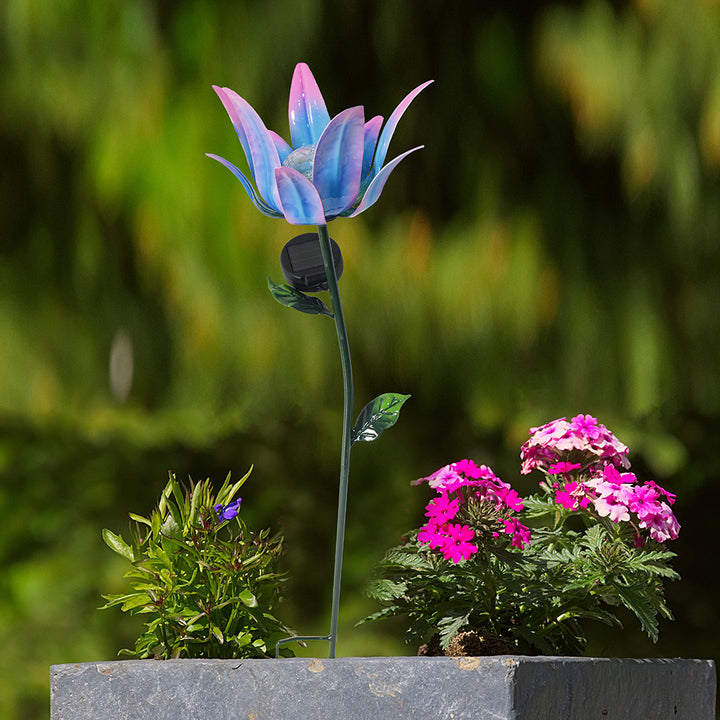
x,y
307,113
257,143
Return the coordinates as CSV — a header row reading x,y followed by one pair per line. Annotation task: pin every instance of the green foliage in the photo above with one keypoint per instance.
x,y
540,598
205,586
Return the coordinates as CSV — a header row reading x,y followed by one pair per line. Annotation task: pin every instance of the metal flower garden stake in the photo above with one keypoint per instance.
x,y
333,168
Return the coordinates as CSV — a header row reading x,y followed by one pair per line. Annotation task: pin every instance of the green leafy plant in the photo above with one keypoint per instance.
x,y
495,574
204,581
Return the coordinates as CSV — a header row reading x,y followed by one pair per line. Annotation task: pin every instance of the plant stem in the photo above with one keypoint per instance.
x,y
326,249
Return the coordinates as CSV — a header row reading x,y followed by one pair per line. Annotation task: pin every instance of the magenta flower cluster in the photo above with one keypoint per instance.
x,y
587,471
583,461
583,437
458,485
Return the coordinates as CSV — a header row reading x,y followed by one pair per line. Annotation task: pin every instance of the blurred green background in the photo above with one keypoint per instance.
x,y
552,250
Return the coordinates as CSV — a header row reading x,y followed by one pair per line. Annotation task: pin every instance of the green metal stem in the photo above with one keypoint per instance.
x,y
326,249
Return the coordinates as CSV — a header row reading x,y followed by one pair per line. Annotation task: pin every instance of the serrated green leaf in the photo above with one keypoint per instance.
x,y
450,626
385,590
641,606
117,544
406,559
378,415
290,297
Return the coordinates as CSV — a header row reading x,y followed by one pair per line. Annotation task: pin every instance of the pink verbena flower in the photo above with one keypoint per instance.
x,y
459,484
562,468
513,501
431,535
670,497
520,533
621,498
446,478
611,506
459,474
662,524
456,545
470,470
573,496
442,509
642,500
563,441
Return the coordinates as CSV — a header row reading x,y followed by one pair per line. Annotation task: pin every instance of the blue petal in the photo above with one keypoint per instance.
x,y
225,95
338,161
389,129
307,113
259,203
299,199
260,146
282,147
378,183
372,130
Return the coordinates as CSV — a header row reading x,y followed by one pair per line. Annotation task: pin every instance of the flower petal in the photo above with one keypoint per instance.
x,y
338,161
307,113
372,130
378,183
282,147
259,203
299,199
389,129
259,146
225,96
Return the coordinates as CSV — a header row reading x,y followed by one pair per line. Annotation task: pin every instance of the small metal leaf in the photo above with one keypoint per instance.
x,y
290,297
378,415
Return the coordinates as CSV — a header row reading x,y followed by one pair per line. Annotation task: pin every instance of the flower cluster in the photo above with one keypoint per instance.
x,y
596,545
464,487
582,440
582,459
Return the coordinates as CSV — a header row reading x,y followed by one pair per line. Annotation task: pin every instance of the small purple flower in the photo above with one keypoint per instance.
x,y
228,512
334,168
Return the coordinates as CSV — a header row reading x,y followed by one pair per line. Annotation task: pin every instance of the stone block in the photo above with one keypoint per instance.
x,y
389,688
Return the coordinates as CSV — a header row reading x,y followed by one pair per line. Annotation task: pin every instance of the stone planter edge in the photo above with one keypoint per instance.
x,y
386,688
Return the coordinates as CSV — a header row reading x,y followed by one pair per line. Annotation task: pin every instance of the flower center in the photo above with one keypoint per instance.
x,y
302,160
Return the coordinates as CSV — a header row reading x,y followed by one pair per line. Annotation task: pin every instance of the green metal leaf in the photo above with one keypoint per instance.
x,y
290,297
378,415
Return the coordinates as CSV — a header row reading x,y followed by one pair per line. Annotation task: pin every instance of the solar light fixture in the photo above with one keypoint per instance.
x,y
302,263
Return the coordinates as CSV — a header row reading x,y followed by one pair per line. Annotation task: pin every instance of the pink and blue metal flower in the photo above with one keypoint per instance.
x,y
334,167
